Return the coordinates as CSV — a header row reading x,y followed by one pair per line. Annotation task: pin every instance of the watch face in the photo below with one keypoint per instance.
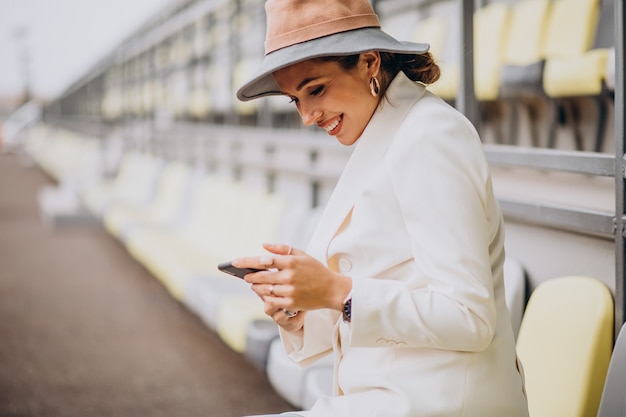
x,y
347,311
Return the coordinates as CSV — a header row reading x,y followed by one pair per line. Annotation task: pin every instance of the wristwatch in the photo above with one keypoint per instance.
x,y
347,309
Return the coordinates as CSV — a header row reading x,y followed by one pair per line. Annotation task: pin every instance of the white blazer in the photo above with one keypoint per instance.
x,y
413,220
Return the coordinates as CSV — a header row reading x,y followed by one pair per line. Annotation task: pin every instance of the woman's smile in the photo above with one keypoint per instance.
x,y
334,126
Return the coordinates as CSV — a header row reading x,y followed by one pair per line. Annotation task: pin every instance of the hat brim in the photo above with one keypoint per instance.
x,y
351,42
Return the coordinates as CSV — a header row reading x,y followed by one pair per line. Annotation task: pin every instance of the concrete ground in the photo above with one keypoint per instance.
x,y
85,331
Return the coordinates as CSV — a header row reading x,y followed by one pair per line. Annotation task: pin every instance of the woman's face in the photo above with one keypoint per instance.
x,y
335,99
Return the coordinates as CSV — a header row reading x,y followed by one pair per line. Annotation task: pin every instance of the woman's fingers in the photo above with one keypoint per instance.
x,y
258,262
281,249
277,293
269,261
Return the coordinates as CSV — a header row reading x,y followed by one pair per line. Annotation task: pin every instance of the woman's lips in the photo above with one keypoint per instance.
x,y
332,128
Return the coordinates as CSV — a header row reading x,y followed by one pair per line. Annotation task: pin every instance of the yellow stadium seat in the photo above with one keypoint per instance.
x,y
491,24
433,30
572,68
579,75
199,103
525,46
582,72
542,33
490,33
234,315
564,344
523,64
134,184
225,219
571,27
163,208
174,255
528,24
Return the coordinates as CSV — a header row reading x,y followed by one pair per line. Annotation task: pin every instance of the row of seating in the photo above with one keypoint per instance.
x,y
567,320
532,50
179,221
63,155
298,163
525,51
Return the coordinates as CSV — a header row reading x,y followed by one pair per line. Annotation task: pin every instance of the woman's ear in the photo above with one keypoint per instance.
x,y
371,59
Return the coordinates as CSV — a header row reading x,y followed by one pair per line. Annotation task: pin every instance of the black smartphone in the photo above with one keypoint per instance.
x,y
237,272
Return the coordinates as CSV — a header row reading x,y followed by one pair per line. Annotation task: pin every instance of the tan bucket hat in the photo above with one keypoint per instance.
x,y
298,30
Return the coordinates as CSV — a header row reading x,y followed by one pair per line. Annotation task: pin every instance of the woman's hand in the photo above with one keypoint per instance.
x,y
295,282
290,323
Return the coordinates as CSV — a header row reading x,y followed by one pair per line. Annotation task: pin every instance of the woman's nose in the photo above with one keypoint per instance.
x,y
310,116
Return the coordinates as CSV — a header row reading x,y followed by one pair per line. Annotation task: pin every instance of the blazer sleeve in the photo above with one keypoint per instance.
x,y
441,180
315,341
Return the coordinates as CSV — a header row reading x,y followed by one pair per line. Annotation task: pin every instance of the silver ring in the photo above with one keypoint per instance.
x,y
272,290
290,313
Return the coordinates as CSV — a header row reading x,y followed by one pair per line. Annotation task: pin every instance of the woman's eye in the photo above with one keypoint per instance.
x,y
293,100
317,91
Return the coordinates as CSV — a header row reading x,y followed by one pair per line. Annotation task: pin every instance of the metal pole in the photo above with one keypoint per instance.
x,y
21,35
620,139
466,99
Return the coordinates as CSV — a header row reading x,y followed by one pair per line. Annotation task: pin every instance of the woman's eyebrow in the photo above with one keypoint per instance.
x,y
305,82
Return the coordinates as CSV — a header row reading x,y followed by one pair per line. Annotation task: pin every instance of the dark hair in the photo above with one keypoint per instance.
x,y
418,67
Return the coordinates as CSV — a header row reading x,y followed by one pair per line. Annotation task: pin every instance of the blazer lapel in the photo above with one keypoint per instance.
x,y
368,152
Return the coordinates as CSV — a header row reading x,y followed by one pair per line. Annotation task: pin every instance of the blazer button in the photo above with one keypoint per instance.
x,y
345,265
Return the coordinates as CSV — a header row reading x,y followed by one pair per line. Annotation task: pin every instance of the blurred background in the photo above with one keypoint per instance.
x,y
46,45
128,171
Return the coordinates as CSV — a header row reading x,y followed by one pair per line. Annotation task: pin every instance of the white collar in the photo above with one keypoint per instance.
x,y
369,149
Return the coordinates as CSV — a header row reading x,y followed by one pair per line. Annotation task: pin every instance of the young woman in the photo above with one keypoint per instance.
x,y
402,279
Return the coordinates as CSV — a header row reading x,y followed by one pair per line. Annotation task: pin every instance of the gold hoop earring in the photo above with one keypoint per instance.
x,y
374,87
